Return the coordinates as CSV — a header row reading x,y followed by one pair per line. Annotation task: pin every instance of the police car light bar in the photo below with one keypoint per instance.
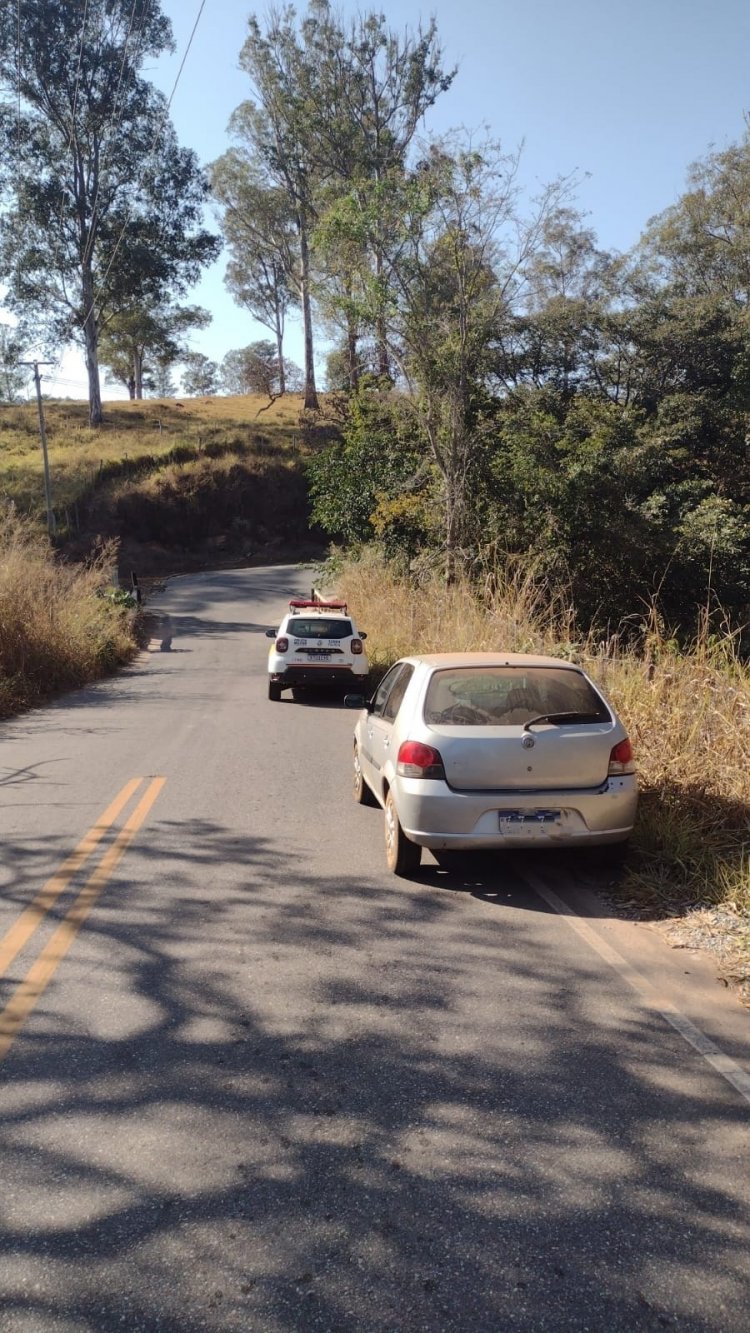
x,y
299,605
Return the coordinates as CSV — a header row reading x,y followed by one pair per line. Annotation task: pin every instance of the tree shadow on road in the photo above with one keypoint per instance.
x,y
299,1102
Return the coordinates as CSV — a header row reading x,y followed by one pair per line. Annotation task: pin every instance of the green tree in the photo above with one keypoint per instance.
x,y
558,337
376,482
335,110
255,369
12,376
372,90
455,285
200,375
103,208
138,342
161,380
701,244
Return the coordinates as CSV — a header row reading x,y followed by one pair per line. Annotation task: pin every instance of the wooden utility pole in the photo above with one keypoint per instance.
x,y
43,438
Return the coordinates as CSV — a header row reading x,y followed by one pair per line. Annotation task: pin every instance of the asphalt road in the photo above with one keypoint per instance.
x,y
249,1081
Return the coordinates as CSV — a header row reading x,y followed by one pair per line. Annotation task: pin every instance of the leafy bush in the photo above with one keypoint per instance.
x,y
120,597
375,481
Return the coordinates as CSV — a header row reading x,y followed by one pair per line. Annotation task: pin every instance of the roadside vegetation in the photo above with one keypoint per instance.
x,y
61,625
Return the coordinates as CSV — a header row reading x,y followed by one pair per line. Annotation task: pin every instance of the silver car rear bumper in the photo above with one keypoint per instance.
x,y
434,816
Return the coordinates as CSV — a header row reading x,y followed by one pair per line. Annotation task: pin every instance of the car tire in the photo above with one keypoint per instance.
x,y
274,691
402,856
360,789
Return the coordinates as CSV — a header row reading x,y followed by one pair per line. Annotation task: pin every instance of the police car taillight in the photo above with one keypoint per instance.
x,y
282,644
356,646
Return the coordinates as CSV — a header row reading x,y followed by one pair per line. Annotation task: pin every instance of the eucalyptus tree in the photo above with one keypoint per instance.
x,y
103,209
334,109
560,337
372,90
275,132
251,369
701,245
161,381
259,230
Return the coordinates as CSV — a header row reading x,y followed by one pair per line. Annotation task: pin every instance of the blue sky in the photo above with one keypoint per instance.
x,y
626,95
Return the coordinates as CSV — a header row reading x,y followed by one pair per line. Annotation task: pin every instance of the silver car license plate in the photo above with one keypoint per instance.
x,y
526,821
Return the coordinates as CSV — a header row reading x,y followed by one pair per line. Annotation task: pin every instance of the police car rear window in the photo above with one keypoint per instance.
x,y
317,627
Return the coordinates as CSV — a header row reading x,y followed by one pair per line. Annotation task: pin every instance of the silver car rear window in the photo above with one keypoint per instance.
x,y
510,696
319,628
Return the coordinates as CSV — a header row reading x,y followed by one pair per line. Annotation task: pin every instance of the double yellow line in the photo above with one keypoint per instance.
x,y
34,984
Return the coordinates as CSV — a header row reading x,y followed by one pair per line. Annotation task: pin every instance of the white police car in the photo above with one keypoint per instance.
x,y
317,644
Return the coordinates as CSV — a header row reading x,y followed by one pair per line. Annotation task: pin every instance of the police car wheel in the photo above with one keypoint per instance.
x,y
274,691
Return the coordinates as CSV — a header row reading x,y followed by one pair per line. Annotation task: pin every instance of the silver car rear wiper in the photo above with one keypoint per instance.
x,y
564,717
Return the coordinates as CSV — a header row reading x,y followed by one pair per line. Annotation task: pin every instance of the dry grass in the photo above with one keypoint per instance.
x,y
56,629
132,431
689,716
688,713
512,612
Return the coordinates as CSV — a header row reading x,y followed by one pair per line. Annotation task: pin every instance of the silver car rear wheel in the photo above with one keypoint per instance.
x,y
402,856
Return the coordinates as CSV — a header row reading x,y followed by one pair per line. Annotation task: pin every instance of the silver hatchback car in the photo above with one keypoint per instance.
x,y
489,750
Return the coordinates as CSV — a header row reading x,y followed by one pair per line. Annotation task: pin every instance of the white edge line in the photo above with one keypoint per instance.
x,y
723,1064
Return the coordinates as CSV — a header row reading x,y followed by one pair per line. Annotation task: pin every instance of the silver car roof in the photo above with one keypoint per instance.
x,y
437,661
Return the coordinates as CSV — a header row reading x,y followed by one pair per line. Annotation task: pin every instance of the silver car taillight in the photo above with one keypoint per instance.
x,y
416,760
621,759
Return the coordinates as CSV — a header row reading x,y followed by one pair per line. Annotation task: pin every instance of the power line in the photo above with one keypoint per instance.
x,y
78,73
187,53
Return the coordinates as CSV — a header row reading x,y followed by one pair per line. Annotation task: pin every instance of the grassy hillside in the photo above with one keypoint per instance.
x,y
178,483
